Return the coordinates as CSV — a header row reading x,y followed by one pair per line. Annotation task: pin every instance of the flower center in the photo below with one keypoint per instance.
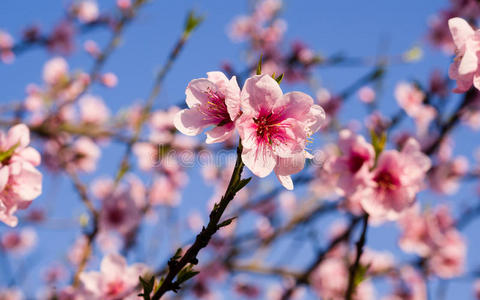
x,y
386,180
269,128
216,109
114,288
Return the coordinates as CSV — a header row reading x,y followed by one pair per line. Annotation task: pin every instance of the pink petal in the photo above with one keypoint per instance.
x,y
469,63
219,133
460,30
260,92
260,161
190,121
18,134
195,92
4,174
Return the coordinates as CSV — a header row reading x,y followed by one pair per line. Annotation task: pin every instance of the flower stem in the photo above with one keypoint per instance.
x,y
202,239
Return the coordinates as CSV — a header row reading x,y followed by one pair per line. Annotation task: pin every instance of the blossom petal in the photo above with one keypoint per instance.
x,y
460,31
219,133
260,92
190,121
195,92
260,161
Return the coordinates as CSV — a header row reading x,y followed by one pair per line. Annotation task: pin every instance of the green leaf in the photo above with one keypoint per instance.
x,y
279,78
360,275
378,142
185,274
259,66
226,222
147,287
7,154
242,183
192,22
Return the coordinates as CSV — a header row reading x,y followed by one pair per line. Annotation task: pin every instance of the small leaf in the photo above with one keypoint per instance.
x,y
7,154
279,78
273,75
242,183
360,275
185,274
259,66
226,222
147,287
378,142
192,22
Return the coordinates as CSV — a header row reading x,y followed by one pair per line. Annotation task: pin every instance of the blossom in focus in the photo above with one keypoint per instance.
x,y
274,128
20,181
115,280
464,69
212,101
397,178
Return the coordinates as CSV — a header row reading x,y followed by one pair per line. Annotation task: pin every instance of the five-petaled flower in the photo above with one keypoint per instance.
x,y
274,128
212,101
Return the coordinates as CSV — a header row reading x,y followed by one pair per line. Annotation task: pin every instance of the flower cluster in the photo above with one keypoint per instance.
x,y
274,127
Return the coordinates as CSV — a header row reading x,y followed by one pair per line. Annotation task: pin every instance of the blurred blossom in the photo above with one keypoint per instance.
x,y
55,71
6,45
86,11
114,280
366,94
93,110
109,79
19,243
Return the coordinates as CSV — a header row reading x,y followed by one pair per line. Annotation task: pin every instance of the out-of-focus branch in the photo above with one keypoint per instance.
x,y
352,276
303,279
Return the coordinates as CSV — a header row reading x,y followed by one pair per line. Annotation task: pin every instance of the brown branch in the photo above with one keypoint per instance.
x,y
354,268
203,238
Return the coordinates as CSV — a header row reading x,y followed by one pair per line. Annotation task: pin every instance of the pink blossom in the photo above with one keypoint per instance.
x,y
449,259
109,79
409,97
93,110
115,279
92,48
87,11
61,39
212,101
330,281
444,177
274,128
366,94
411,286
121,205
353,167
11,294
397,179
55,71
433,235
6,45
464,69
86,155
20,181
124,4
20,242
